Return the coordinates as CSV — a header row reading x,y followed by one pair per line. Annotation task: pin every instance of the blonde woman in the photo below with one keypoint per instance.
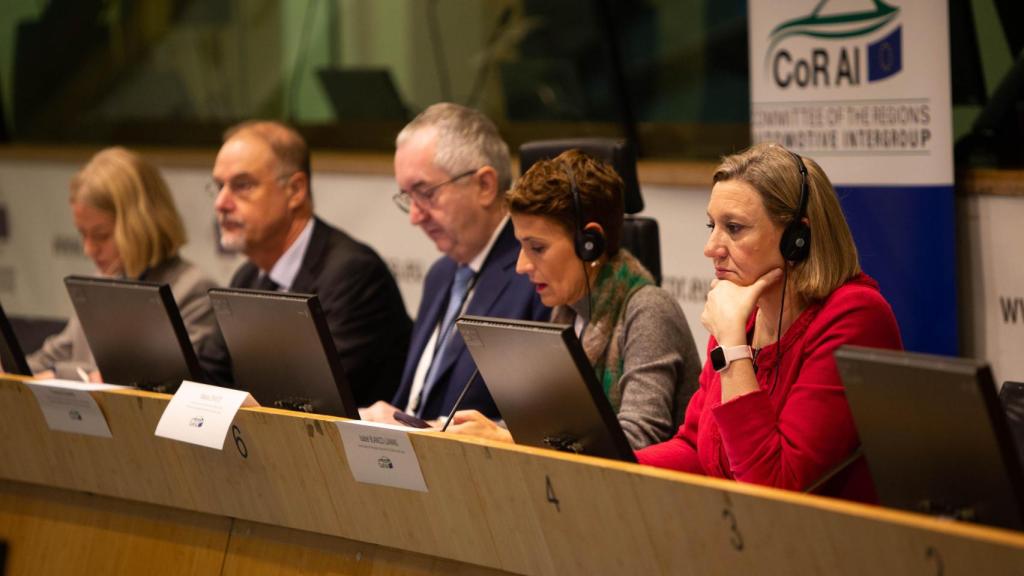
x,y
131,229
788,291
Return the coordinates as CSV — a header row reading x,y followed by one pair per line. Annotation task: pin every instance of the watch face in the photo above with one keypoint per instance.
x,y
718,358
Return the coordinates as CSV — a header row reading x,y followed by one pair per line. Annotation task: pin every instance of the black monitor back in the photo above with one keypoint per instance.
x,y
282,352
12,358
135,332
544,386
363,94
934,435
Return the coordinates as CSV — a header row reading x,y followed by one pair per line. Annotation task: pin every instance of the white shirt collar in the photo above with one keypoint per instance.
x,y
477,263
287,266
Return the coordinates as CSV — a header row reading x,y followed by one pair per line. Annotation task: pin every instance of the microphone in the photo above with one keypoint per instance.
x,y
416,422
832,472
458,401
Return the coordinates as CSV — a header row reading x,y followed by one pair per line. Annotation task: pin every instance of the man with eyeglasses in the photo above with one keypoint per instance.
x,y
452,170
265,210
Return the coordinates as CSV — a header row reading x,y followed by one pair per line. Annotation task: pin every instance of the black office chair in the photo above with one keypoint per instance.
x,y
639,234
1012,397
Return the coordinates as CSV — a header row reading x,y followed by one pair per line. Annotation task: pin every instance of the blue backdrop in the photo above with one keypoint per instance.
x,y
906,237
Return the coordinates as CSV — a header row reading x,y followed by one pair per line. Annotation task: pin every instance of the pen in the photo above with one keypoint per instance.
x,y
82,374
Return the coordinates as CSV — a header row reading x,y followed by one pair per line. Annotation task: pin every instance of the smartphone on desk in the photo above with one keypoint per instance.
x,y
410,420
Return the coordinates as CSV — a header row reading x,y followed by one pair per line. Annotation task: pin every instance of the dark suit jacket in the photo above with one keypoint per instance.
x,y
362,304
500,292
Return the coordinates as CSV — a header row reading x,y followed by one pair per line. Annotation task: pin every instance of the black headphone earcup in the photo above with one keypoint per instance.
x,y
589,245
795,244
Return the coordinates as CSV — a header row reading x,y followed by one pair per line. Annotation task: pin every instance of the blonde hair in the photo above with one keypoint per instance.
x,y
774,172
147,227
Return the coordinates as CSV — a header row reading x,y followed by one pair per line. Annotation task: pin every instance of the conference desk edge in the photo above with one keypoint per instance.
x,y
511,508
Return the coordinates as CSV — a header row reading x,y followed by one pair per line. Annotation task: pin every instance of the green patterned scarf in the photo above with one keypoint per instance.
x,y
618,279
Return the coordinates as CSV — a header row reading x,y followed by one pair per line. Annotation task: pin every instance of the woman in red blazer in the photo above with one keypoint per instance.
x,y
788,291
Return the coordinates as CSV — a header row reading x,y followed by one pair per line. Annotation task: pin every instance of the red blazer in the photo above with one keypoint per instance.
x,y
792,435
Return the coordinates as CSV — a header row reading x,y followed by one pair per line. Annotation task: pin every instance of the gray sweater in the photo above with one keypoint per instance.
x,y
660,367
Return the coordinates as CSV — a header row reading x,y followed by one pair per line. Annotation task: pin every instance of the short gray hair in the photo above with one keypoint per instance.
x,y
466,139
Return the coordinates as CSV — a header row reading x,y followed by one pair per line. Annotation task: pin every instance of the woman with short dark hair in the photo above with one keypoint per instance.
x,y
568,213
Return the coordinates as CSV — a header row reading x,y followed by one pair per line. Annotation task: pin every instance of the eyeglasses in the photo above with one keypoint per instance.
x,y
424,197
241,187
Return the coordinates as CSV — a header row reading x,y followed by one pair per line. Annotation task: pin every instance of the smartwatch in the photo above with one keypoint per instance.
x,y
722,357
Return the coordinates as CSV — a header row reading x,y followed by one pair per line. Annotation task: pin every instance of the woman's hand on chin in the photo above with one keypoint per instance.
x,y
729,306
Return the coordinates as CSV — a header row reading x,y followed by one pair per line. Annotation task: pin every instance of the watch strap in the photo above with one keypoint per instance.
x,y
733,353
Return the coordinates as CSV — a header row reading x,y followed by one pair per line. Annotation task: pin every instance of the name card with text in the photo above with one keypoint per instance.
x,y
381,454
202,414
68,406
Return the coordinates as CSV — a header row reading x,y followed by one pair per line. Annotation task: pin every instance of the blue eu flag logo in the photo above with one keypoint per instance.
x,y
885,57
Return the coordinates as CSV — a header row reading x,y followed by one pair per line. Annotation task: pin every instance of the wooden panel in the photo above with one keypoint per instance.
x,y
262,549
707,525
445,521
591,520
990,182
269,474
54,531
21,419
507,502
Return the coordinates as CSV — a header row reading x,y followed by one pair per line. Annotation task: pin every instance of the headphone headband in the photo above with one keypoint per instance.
x,y
589,244
804,187
795,244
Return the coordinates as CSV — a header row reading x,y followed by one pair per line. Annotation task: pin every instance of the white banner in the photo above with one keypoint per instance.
x,y
862,86
995,283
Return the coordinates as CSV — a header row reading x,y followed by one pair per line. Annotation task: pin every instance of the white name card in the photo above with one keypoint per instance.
x,y
68,406
202,414
381,454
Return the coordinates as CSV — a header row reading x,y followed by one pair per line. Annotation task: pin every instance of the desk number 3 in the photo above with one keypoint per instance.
x,y
736,539
932,553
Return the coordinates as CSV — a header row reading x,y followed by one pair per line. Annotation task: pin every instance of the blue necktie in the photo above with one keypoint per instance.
x,y
463,279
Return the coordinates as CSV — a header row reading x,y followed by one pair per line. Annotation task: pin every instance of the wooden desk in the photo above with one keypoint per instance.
x,y
283,501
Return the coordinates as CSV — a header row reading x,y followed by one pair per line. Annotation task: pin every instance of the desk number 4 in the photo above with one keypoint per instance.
x,y
551,493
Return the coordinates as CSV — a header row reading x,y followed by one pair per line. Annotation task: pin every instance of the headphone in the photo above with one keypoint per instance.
x,y
795,244
589,244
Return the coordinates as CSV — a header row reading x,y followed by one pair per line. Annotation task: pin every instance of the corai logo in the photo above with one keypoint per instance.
x,y
843,56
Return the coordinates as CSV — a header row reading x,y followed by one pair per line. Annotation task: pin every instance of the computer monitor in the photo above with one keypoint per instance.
x,y
135,332
12,359
544,386
282,352
934,435
363,94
